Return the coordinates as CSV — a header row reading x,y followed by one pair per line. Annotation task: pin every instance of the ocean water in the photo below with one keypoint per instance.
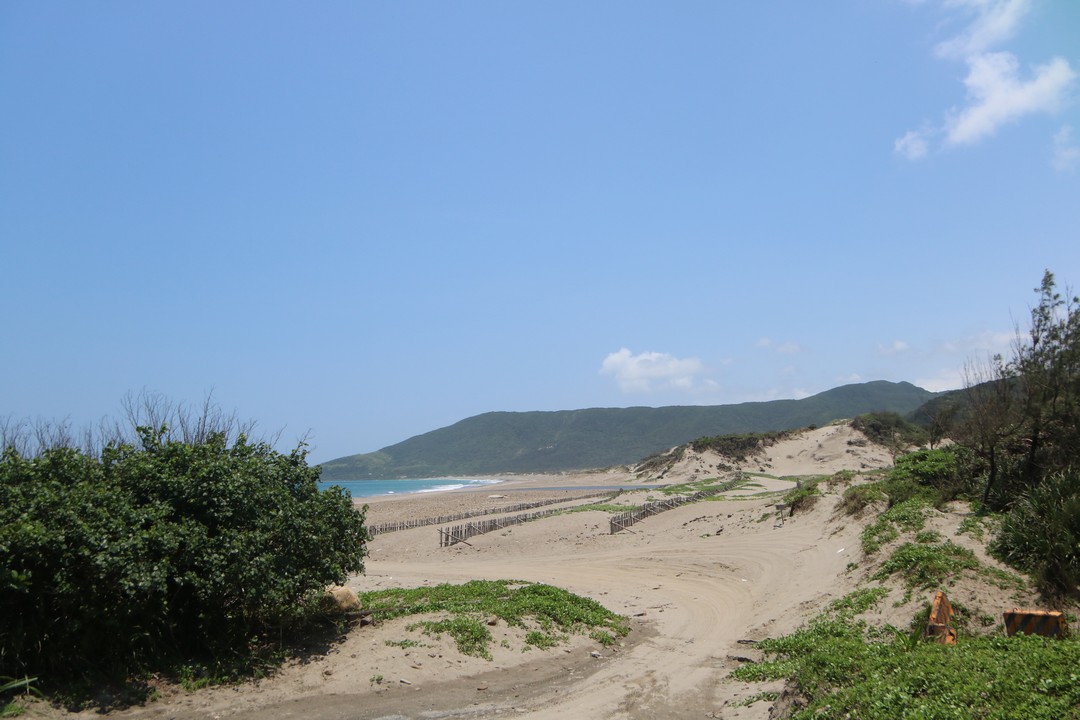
x,y
375,487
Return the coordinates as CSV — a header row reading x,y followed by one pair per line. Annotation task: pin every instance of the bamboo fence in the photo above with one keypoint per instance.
x,y
626,519
383,528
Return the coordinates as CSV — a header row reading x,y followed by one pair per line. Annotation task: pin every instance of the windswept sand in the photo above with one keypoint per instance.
x,y
694,581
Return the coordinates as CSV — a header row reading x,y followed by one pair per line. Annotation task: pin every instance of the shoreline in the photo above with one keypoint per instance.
x,y
511,490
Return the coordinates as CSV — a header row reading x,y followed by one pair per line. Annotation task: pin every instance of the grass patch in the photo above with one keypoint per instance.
x,y
470,634
542,640
467,607
909,516
972,525
404,644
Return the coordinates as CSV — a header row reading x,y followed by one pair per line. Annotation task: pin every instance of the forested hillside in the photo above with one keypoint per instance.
x,y
521,442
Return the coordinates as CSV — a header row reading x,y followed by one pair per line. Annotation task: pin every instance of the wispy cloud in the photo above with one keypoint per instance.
x,y
650,371
998,91
1066,151
987,342
912,144
945,379
998,95
995,22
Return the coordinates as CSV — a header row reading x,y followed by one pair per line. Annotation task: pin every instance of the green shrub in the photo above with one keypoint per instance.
x,y
856,499
928,565
804,496
739,447
890,429
939,475
1041,534
161,552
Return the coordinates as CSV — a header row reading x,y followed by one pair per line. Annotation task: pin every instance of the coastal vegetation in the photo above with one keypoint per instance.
x,y
843,667
1015,434
191,550
546,615
163,551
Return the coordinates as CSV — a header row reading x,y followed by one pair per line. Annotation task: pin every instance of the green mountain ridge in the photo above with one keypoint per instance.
x,y
556,441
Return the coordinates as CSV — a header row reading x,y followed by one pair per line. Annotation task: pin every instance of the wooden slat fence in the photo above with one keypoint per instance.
x,y
626,519
443,519
460,533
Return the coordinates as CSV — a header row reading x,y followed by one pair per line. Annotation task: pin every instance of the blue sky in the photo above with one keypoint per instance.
x,y
368,220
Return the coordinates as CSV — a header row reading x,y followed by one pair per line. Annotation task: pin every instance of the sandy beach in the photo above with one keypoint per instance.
x,y
696,582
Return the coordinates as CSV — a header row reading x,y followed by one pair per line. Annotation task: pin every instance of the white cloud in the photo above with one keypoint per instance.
x,y
987,342
912,145
1066,152
944,379
850,379
997,92
998,95
649,371
995,21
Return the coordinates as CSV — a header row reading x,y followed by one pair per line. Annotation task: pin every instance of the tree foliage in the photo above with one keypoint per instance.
x,y
1022,418
162,550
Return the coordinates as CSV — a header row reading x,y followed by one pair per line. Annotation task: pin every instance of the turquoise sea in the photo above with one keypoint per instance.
x,y
374,487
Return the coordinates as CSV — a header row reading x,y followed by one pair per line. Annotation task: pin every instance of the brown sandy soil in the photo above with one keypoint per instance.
x,y
694,581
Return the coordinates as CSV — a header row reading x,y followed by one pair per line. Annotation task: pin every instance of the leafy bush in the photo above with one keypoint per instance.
x,y
928,565
804,496
739,447
856,499
1041,534
946,471
162,552
889,429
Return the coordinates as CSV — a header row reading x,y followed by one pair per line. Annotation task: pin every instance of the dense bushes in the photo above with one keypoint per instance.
x,y
889,429
1041,534
1021,417
739,447
162,550
937,476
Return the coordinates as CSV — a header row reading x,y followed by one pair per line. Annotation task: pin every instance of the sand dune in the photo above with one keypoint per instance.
x,y
694,581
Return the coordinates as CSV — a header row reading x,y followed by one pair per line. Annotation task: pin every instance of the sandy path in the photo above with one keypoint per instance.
x,y
700,593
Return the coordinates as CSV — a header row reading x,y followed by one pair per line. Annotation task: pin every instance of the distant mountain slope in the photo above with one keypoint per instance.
x,y
523,442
